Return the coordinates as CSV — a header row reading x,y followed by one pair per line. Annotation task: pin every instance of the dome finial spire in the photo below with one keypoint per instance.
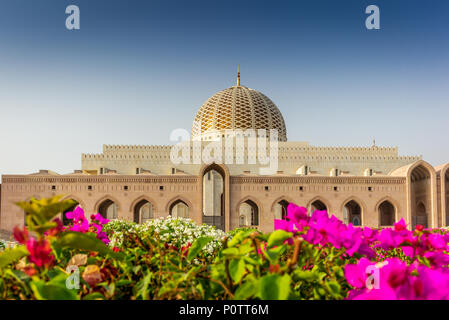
x,y
238,75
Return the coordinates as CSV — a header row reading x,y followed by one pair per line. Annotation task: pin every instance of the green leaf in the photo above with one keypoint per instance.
x,y
84,241
284,287
143,286
305,275
247,290
12,255
275,253
274,287
45,209
236,269
50,291
230,252
278,237
197,246
239,237
94,296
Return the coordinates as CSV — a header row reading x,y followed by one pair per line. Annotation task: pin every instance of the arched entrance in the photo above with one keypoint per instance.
x,y
143,211
317,205
280,209
248,214
108,209
66,221
421,196
352,213
446,178
387,213
213,196
179,209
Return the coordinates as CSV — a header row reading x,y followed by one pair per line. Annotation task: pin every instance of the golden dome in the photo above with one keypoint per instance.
x,y
238,107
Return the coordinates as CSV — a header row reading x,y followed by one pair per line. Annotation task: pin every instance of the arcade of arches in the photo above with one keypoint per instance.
x,y
227,202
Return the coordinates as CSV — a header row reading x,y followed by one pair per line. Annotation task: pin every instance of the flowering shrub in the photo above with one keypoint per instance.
x,y
407,264
306,257
81,224
174,232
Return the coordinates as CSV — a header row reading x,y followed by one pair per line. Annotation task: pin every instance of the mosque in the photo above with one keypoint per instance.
x,y
370,186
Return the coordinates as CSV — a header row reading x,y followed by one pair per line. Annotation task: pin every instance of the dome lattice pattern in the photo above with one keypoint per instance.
x,y
238,107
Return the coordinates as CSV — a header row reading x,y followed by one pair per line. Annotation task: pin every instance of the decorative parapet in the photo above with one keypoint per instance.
x,y
99,179
317,180
287,152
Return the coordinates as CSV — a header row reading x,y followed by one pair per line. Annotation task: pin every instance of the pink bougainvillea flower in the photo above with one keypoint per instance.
x,y
81,225
40,252
295,213
75,215
400,225
356,273
98,217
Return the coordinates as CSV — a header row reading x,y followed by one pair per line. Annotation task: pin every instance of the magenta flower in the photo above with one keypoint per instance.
x,y
40,252
81,224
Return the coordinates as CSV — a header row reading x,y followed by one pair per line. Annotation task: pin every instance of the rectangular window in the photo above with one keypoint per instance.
x,y
161,187
335,188
89,187
266,188
126,187
301,188
53,187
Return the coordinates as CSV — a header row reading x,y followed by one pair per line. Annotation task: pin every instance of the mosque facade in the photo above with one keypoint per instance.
x,y
370,186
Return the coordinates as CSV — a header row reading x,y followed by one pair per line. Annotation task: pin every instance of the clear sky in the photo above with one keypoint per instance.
x,y
136,70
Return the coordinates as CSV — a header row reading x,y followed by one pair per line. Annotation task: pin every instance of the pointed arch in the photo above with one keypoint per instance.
x,y
143,197
143,208
396,210
420,176
444,195
279,199
279,207
177,199
104,198
108,207
253,199
321,199
220,168
223,221
77,199
359,202
251,217
80,203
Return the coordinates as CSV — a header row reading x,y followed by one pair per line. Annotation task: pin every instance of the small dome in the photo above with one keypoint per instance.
x,y
238,107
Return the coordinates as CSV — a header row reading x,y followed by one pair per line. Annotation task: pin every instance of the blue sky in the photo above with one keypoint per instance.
x,y
136,70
